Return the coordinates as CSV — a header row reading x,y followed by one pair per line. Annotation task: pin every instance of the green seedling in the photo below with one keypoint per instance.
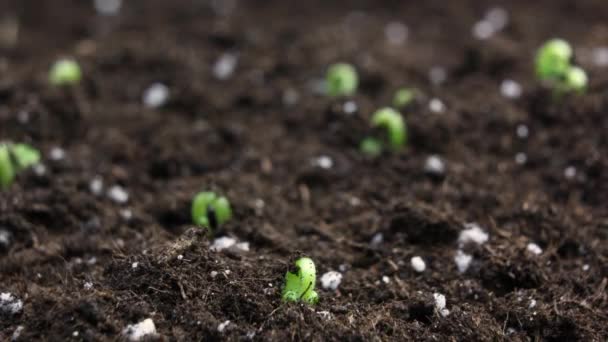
x,y
13,159
300,284
210,210
553,59
7,172
392,121
371,146
342,80
575,80
403,97
65,72
25,156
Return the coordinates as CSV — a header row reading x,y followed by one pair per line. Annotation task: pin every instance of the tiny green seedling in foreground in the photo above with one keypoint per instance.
x,y
210,210
575,80
15,158
341,80
300,284
392,121
65,72
553,59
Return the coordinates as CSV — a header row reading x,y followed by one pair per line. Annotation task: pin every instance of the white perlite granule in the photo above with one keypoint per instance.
x,y
331,280
472,233
156,95
118,194
222,326
534,248
434,165
463,261
418,264
10,304
136,332
225,66
440,303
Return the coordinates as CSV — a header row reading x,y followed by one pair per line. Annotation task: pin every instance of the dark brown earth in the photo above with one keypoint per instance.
x,y
239,138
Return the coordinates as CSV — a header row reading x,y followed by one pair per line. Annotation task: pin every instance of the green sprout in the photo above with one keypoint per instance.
x,y
575,80
553,59
342,80
371,146
15,158
300,284
65,72
403,97
210,210
7,173
392,121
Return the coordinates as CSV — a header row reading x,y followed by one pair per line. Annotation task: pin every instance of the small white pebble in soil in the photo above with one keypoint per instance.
x,y
107,7
5,239
585,267
472,233
75,334
418,264
290,97
396,33
534,249
350,107
224,67
532,303
39,169
570,172
498,17
440,303
88,285
386,279
137,332
521,158
213,274
510,89
96,186
343,268
10,304
126,214
155,96
324,162
377,239
354,201
483,29
135,265
222,326
17,333
600,56
436,105
57,153
222,243
243,246
522,131
434,165
437,75
331,280
118,194
180,257
463,261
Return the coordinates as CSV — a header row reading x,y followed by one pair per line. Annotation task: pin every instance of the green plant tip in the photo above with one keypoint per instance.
x,y
553,59
403,97
371,146
575,80
7,172
300,284
341,80
210,210
65,72
25,156
392,121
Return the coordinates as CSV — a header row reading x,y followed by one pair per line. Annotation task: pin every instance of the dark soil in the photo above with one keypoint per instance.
x,y
239,138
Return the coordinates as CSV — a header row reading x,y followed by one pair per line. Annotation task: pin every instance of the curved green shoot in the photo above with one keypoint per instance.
x,y
65,72
210,210
25,156
392,121
300,285
341,80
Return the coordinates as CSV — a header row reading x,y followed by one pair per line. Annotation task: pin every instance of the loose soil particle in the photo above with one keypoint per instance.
x,y
71,251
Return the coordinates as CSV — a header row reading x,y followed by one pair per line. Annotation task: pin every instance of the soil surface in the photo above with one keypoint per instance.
x,y
86,266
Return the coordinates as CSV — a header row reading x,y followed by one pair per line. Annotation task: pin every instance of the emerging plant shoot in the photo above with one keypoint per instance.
x,y
341,80
300,284
210,210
